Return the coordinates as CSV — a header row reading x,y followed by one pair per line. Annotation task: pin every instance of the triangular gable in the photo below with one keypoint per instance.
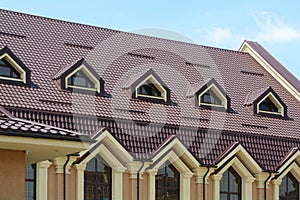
x,y
89,71
18,65
107,142
173,144
278,71
238,150
197,89
256,97
292,156
134,82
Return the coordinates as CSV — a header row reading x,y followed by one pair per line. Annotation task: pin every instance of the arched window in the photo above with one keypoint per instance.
x,y
7,70
230,185
167,183
97,181
289,188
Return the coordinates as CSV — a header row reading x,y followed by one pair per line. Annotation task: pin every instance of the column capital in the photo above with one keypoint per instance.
x,y
44,164
217,177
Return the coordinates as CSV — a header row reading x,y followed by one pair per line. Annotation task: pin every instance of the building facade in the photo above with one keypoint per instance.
x,y
91,113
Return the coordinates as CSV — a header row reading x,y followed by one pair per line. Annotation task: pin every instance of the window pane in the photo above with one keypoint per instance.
x,y
210,97
81,80
30,171
268,105
149,89
289,188
7,70
223,197
167,183
230,185
97,181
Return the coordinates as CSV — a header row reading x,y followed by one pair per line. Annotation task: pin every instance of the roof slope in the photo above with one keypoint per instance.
x,y
47,45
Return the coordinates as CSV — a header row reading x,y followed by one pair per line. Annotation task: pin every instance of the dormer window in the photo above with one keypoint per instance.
x,y
7,70
148,89
80,77
270,105
12,70
266,102
209,95
81,80
211,98
147,86
151,88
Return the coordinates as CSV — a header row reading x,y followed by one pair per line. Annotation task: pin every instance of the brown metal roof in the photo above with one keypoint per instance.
x,y
12,126
45,46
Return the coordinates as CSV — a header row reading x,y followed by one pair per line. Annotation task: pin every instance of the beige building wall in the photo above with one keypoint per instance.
x,y
12,175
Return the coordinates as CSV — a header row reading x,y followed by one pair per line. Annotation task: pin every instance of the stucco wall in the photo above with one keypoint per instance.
x,y
12,175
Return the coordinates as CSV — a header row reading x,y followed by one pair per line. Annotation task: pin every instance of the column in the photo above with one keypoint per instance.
x,y
216,191
42,180
80,181
152,174
276,184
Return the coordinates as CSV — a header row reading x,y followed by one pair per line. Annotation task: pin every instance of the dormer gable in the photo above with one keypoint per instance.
x,y
209,95
12,69
80,77
147,86
266,102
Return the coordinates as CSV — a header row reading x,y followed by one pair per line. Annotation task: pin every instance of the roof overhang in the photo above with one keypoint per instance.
x,y
40,149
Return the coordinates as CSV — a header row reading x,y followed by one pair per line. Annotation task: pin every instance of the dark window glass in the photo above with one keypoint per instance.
x,y
167,183
268,105
6,70
30,182
97,181
81,80
209,97
149,89
230,185
289,188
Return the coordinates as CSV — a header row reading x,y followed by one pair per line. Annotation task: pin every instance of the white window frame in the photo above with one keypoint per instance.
x,y
16,67
218,93
294,169
184,171
160,88
117,173
89,75
246,176
275,102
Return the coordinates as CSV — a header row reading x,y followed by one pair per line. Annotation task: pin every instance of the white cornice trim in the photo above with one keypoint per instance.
x,y
246,48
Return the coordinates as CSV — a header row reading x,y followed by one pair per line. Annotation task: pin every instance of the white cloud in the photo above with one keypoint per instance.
x,y
221,36
217,35
273,29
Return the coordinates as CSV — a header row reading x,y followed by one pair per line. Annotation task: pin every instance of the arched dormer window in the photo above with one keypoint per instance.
x,y
209,95
147,86
12,70
266,102
80,77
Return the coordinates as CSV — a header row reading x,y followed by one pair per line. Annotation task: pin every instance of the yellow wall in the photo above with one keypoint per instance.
x,y
12,175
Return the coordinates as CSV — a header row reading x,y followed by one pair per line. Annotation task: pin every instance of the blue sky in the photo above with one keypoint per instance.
x,y
273,23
